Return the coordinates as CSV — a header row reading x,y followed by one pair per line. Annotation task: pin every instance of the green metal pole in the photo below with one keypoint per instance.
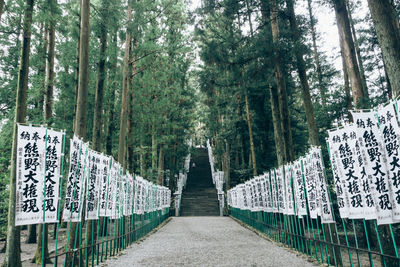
x,y
59,200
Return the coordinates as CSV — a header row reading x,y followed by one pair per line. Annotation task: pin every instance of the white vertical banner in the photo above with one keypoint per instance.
x,y
115,190
253,192
104,167
30,175
280,187
93,186
325,204
376,185
311,186
52,177
390,130
289,190
346,140
260,197
274,192
301,207
76,181
339,180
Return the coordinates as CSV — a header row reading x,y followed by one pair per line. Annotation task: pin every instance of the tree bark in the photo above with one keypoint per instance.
x,y
125,90
32,232
13,250
387,28
252,149
318,69
111,101
343,23
1,7
301,69
101,80
82,95
358,52
48,110
346,83
281,82
160,179
154,167
278,133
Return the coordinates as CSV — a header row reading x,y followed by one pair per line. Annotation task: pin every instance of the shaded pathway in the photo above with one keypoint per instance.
x,y
206,241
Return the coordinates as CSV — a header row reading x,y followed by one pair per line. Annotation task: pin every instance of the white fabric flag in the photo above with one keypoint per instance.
x,y
76,181
289,190
375,172
274,191
345,143
280,188
334,142
311,186
93,186
104,166
325,204
260,194
52,178
30,175
391,140
301,206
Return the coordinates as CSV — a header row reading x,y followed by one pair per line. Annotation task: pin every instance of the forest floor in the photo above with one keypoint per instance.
x,y
206,241
28,250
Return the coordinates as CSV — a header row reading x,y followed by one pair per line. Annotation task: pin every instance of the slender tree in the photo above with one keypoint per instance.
x,y
13,254
281,84
387,28
1,7
317,62
301,69
125,88
48,115
82,97
343,24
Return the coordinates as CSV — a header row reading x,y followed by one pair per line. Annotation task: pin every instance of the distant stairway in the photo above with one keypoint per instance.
x,y
200,196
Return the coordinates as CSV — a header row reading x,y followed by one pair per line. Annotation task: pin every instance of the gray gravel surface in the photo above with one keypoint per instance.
x,y
206,241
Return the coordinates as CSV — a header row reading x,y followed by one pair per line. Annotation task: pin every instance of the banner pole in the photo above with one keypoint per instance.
x,y
59,200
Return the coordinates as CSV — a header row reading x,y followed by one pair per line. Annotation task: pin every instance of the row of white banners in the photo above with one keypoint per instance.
x,y
93,177
365,161
284,190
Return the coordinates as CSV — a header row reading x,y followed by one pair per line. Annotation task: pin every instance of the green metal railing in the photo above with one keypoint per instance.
x,y
357,242
108,237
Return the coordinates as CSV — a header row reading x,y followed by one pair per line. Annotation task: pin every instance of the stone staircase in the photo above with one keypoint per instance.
x,y
200,197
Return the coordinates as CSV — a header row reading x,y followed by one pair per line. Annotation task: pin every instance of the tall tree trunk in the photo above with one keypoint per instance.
x,y
161,156
98,104
281,82
1,7
227,166
142,157
101,79
343,24
78,46
125,89
252,149
322,89
154,167
276,120
111,101
387,28
13,250
346,83
301,68
82,95
32,233
130,139
358,52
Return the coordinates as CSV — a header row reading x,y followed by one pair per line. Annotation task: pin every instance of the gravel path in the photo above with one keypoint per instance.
x,y
206,241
